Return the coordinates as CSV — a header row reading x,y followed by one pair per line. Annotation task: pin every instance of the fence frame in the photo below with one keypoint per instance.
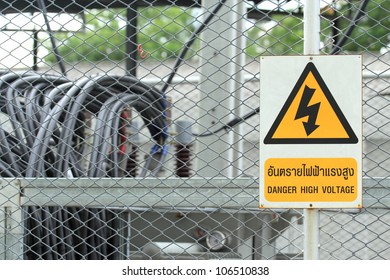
x,y
193,194
232,193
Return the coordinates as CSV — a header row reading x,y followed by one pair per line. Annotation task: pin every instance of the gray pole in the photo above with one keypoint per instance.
x,y
311,37
219,83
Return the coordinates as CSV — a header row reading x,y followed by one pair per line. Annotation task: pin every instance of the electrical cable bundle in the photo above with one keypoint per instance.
x,y
47,114
43,134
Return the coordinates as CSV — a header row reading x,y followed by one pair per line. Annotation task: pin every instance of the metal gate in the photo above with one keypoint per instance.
x,y
130,129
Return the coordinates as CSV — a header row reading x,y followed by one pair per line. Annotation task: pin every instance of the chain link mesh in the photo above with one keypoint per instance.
x,y
129,129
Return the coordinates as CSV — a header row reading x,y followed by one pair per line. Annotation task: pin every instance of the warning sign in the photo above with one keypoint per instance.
x,y
311,180
311,132
310,115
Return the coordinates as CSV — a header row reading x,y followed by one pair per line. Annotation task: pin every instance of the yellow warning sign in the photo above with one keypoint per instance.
x,y
310,179
310,115
310,148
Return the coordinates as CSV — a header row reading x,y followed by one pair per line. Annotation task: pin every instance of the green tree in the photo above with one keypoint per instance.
x,y
102,39
162,32
281,36
284,34
372,31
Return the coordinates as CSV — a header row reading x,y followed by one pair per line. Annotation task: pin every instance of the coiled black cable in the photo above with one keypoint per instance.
x,y
47,112
42,135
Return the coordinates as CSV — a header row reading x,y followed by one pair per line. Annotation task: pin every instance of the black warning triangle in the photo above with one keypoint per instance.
x,y
279,134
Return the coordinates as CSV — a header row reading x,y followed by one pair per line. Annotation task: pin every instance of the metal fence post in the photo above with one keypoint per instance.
x,y
311,46
2,234
11,222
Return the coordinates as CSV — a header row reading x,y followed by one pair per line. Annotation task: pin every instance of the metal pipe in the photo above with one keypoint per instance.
x,y
311,46
131,39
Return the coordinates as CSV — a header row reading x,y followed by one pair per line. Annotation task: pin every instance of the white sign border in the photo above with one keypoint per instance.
x,y
342,74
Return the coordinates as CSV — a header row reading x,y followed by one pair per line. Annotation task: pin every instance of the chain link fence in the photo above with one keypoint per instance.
x,y
129,129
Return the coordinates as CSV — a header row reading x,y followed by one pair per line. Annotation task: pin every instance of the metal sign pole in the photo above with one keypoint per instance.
x,y
311,38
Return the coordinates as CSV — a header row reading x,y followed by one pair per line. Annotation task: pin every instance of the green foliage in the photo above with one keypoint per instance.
x,y
281,36
163,31
284,35
102,39
372,31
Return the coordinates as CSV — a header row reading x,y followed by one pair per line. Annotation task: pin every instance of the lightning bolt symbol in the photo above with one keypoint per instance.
x,y
304,110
